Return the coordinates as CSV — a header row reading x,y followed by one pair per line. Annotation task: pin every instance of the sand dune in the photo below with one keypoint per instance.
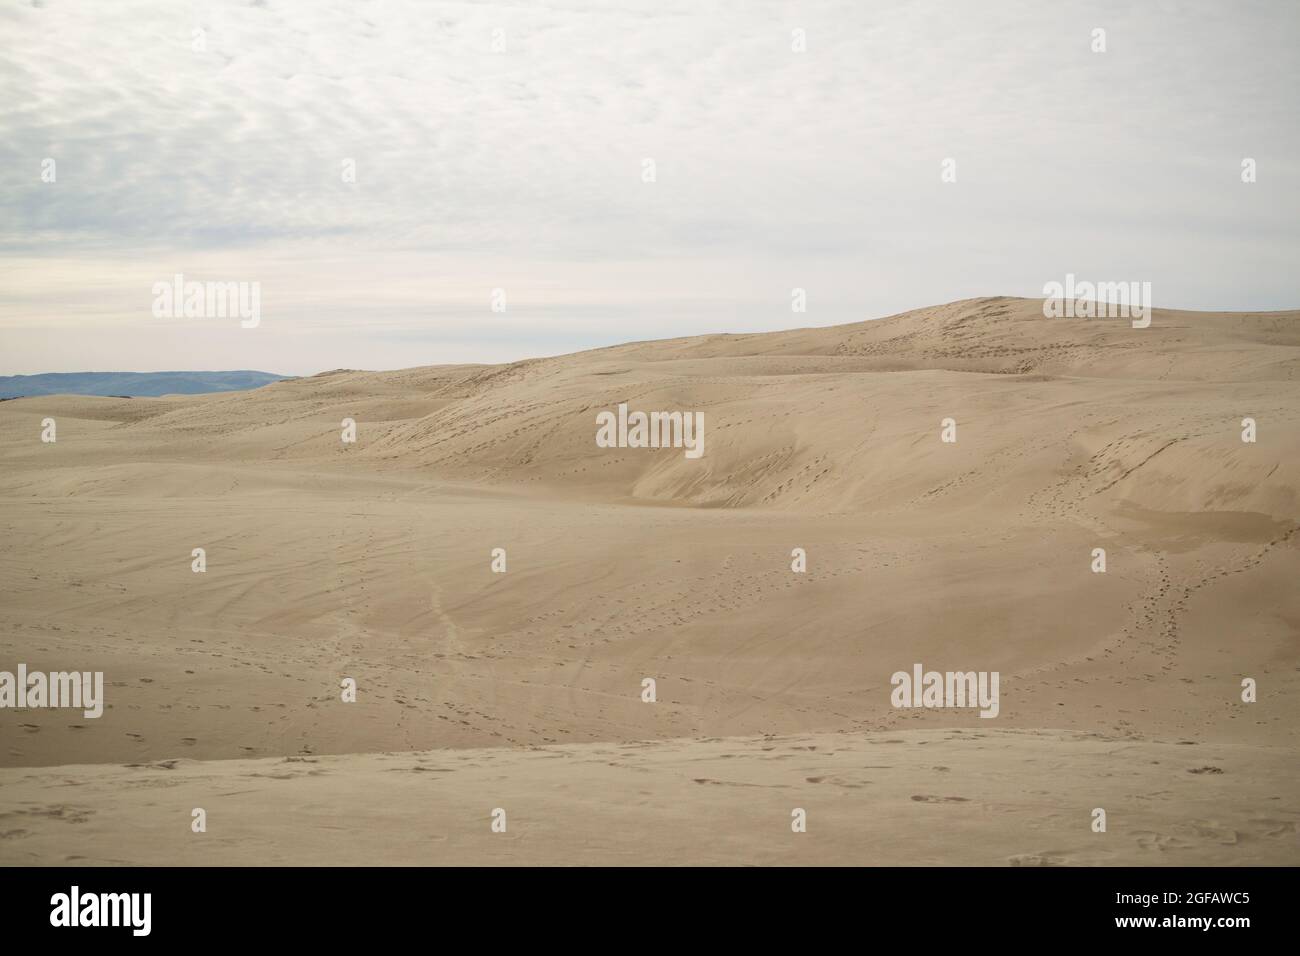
x,y
910,798
372,560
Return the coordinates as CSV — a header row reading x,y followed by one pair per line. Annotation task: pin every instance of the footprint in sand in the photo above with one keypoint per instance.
x,y
1047,858
1150,840
930,798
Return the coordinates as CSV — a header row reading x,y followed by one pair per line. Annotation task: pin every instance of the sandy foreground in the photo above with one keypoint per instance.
x,y
1019,798
523,690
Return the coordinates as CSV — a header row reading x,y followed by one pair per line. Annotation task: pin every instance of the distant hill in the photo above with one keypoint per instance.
x,y
132,384
831,420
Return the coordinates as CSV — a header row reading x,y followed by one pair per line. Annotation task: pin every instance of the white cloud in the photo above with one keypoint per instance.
x,y
522,168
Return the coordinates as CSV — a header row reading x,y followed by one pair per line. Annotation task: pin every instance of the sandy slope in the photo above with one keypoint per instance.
x,y
911,798
372,561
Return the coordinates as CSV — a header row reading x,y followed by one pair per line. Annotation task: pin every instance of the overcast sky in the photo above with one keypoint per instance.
x,y
220,155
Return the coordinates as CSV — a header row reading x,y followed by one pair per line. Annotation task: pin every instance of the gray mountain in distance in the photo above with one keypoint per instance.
x,y
133,384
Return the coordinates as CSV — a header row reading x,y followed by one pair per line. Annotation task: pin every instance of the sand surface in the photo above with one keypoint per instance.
x,y
522,690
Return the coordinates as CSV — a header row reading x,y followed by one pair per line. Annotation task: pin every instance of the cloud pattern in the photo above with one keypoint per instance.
x,y
503,143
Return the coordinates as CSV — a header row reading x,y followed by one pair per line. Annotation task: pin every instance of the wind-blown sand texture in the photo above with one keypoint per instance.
x,y
523,690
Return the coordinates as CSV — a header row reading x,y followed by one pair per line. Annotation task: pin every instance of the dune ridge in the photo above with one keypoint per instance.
x,y
372,560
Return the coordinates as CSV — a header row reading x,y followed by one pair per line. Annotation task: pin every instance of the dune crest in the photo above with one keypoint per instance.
x,y
494,580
